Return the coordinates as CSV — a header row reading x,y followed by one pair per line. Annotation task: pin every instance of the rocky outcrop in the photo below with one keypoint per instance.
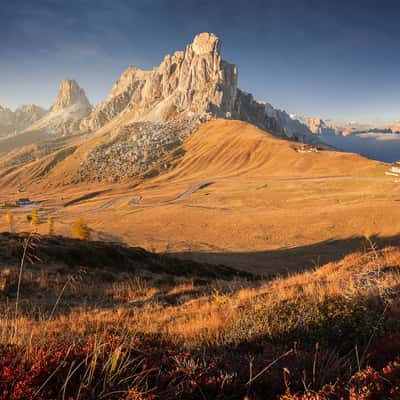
x,y
12,122
67,111
194,82
135,149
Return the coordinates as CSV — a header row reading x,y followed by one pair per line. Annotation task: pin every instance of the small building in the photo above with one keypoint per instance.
x,y
395,168
306,148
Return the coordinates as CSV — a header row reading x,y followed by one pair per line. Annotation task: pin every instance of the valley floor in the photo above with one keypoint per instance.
x,y
265,224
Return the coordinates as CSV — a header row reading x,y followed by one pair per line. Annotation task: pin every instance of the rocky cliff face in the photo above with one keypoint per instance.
x,y
67,111
194,82
16,121
266,117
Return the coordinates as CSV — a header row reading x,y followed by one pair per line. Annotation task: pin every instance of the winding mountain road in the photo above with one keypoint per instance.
x,y
135,201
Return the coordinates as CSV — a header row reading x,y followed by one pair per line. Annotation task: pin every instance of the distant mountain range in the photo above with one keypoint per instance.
x,y
375,142
12,122
320,127
70,106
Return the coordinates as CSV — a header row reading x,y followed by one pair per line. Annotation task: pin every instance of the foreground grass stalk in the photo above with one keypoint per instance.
x,y
21,268
60,365
269,366
59,296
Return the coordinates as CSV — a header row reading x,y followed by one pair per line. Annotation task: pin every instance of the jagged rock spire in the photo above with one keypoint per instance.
x,y
65,115
70,93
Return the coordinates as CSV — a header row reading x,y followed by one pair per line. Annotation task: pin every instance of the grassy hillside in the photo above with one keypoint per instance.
x,y
80,330
223,148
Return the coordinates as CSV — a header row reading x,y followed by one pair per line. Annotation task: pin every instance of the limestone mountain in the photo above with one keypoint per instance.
x,y
192,82
12,122
70,107
196,82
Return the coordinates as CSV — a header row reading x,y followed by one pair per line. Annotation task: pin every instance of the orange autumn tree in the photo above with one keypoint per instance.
x,y
10,221
35,219
50,226
80,229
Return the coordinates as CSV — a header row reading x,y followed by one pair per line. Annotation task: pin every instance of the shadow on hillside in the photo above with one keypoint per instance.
x,y
104,261
291,259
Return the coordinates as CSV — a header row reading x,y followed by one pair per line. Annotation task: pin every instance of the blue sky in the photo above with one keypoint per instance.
x,y
334,59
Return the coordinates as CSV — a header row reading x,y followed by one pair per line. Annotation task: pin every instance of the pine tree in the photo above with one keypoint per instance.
x,y
80,229
35,219
10,221
50,226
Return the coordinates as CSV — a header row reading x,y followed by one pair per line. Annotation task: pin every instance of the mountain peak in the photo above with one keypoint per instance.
x,y
70,94
195,83
70,107
205,43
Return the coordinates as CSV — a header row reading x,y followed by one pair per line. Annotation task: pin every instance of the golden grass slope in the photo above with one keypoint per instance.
x,y
233,148
238,196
